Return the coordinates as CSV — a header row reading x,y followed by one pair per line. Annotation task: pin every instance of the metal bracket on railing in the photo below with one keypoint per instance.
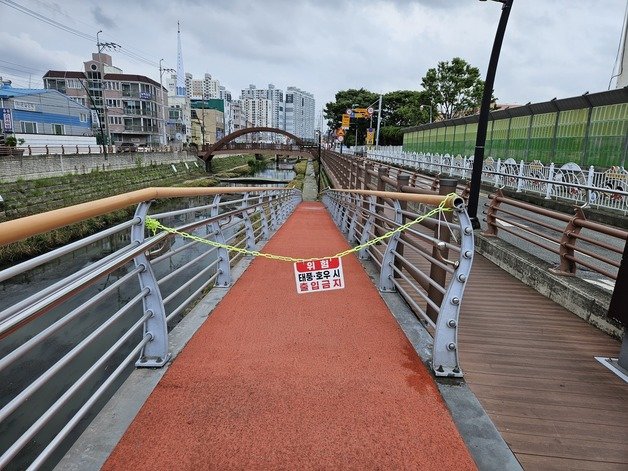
x,y
264,218
248,225
445,350
363,254
223,273
155,352
442,246
386,276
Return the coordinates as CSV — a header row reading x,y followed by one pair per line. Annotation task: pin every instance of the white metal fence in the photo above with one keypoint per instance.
x,y
606,188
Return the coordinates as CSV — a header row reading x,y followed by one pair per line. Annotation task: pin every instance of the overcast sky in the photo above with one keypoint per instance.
x,y
552,48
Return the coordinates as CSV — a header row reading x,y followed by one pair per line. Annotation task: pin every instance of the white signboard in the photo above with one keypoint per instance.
x,y
319,275
24,105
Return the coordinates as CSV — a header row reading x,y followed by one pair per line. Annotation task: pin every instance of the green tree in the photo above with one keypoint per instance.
x,y
345,99
453,88
402,108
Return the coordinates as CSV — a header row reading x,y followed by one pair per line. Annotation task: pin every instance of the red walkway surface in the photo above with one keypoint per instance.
x,y
277,380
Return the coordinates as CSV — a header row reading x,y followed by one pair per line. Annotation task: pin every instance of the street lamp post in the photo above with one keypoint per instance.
x,y
320,166
163,106
480,140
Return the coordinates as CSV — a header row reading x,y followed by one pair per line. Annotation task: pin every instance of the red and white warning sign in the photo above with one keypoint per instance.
x,y
319,275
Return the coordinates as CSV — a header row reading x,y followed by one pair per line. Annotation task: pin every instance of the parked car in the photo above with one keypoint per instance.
x,y
127,147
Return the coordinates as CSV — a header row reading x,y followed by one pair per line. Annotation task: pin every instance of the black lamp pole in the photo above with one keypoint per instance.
x,y
480,140
320,164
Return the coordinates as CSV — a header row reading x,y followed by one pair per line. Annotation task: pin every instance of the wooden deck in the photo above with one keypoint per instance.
x,y
531,364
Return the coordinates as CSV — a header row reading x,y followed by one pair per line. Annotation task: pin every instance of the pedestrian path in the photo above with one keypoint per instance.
x,y
278,380
310,189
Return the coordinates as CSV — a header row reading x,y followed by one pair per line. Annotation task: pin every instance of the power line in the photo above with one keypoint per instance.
x,y
127,52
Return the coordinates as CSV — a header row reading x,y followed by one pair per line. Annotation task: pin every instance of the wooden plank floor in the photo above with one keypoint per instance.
x,y
531,364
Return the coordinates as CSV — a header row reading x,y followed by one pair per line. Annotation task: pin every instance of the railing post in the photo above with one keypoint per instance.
x,y
590,194
567,244
491,215
445,350
520,180
386,276
437,274
155,352
248,225
548,193
368,166
344,224
273,214
363,254
381,186
263,216
223,272
357,200
402,180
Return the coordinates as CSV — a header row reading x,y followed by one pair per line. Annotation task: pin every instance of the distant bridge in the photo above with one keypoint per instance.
x,y
227,145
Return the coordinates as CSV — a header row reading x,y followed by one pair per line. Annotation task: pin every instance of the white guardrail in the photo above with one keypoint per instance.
x,y
607,188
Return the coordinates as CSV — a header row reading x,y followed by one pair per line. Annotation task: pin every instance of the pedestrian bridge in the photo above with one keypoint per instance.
x,y
213,308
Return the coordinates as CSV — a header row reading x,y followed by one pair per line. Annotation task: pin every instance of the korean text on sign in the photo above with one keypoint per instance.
x,y
319,275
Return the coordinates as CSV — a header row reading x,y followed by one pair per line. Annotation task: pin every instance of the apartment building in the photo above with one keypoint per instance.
x,y
128,107
299,113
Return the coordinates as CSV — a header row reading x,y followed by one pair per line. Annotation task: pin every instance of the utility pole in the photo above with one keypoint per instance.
x,y
163,106
101,46
379,121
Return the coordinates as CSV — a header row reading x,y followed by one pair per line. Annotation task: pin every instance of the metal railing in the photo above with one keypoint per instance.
x,y
607,188
428,263
77,149
67,342
356,172
575,241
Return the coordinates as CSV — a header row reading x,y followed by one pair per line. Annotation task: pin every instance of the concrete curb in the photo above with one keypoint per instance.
x,y
576,295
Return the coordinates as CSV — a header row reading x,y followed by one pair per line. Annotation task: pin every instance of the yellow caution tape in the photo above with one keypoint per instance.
x,y
154,225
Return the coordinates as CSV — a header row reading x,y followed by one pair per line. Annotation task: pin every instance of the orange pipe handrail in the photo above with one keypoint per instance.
x,y
28,226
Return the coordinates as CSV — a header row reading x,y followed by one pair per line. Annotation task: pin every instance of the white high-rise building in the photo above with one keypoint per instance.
x,y
274,95
202,89
299,113
257,112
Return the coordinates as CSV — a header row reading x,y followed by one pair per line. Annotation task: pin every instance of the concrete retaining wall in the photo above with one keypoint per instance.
x,y
31,167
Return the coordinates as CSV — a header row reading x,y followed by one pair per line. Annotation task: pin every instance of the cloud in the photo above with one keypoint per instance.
x,y
560,48
102,19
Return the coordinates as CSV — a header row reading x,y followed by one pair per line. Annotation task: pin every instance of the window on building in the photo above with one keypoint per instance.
x,y
79,100
115,120
58,129
112,103
29,127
